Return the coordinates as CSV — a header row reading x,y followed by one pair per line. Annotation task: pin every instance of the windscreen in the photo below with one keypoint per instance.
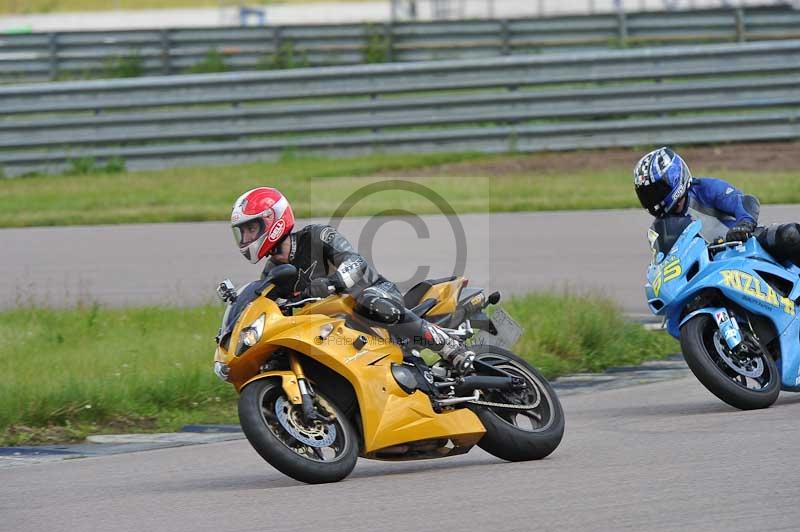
x,y
246,295
235,309
665,232
282,276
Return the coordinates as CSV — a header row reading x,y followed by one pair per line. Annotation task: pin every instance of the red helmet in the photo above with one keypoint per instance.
x,y
261,219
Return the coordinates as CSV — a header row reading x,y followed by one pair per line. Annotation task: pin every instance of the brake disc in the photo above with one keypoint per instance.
x,y
317,435
754,369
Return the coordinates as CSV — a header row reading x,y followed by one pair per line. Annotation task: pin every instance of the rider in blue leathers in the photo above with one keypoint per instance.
x,y
665,186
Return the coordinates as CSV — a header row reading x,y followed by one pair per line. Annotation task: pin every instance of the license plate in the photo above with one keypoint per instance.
x,y
508,331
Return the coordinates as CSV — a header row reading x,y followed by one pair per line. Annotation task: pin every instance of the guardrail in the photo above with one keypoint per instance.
x,y
54,56
681,95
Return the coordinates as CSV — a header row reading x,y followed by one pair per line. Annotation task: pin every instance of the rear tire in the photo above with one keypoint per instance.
x,y
506,437
705,361
310,461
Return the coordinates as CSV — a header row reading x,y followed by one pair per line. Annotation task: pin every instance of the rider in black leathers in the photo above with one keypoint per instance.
x,y
324,258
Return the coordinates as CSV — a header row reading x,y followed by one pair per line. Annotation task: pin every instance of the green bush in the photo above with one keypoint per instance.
x,y
618,43
88,166
127,66
115,165
377,46
81,166
285,57
214,61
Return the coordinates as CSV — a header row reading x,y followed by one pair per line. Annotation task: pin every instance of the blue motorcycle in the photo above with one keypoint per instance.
x,y
733,308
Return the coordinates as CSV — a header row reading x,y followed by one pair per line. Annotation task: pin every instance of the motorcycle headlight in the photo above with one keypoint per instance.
x,y
251,334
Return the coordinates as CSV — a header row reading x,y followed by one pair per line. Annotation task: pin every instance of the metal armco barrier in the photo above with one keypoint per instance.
x,y
36,57
681,95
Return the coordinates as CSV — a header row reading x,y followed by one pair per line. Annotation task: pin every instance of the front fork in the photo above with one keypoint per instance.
x,y
728,327
306,391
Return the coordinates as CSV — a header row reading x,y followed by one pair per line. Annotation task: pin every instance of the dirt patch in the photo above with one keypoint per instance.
x,y
761,157
72,433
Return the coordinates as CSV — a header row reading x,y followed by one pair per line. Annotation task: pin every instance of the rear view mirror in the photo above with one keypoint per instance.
x,y
283,274
283,277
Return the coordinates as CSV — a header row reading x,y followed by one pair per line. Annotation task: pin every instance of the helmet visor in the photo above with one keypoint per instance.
x,y
653,195
248,232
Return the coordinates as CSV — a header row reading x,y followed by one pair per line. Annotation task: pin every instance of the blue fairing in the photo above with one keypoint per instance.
x,y
677,275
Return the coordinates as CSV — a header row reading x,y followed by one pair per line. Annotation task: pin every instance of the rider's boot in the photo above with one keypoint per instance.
x,y
457,356
423,334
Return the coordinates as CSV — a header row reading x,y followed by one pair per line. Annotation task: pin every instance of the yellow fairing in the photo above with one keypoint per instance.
x,y
447,296
392,417
335,306
288,383
389,416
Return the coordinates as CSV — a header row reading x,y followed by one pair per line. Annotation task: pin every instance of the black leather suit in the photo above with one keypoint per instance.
x,y
320,251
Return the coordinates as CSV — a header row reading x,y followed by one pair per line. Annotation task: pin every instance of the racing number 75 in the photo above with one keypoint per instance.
x,y
671,270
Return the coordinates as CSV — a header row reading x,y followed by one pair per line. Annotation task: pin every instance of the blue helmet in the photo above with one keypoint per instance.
x,y
661,179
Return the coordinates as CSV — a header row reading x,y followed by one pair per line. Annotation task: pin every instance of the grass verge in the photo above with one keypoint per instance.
x,y
317,186
69,373
568,333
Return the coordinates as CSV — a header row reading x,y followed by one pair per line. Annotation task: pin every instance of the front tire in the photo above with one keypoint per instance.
x,y
519,435
752,386
315,453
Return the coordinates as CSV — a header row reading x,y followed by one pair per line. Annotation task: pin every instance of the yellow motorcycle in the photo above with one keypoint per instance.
x,y
320,386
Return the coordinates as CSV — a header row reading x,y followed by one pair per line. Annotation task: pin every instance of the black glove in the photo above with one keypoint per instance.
x,y
741,231
318,288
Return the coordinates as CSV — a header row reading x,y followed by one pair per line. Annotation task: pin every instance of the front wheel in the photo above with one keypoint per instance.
x,y
747,380
314,452
518,434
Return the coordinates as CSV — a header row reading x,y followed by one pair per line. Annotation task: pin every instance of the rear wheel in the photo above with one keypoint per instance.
x,y
748,379
519,434
314,452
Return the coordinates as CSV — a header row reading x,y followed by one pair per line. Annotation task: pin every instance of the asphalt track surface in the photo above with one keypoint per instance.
x,y
181,264
655,457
